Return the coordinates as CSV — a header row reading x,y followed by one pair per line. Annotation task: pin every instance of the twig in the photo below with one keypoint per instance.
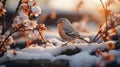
x,y
4,3
11,33
4,41
94,40
84,39
105,11
3,25
9,24
107,29
41,37
99,31
4,18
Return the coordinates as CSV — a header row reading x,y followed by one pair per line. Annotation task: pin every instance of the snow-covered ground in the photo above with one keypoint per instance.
x,y
51,52
54,48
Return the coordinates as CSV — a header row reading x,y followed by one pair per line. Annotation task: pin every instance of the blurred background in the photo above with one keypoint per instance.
x,y
77,11
72,9
85,15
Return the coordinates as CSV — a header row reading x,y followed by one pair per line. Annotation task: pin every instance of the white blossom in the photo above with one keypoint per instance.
x,y
21,18
36,10
31,24
18,20
14,24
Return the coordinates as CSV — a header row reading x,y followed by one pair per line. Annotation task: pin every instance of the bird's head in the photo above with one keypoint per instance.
x,y
63,21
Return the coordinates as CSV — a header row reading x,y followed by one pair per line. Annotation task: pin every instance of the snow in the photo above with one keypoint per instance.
x,y
54,48
82,59
51,52
28,56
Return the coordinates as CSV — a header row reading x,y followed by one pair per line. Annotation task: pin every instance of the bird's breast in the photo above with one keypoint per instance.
x,y
63,34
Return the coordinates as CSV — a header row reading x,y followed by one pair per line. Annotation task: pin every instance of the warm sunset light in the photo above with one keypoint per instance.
x,y
59,33
98,1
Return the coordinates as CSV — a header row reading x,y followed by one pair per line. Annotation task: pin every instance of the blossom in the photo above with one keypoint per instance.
x,y
110,46
8,41
2,10
21,18
23,4
31,24
31,2
17,21
30,7
41,28
25,8
36,10
31,34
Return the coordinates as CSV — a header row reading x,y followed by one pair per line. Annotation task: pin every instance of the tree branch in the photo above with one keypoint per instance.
x,y
4,18
9,24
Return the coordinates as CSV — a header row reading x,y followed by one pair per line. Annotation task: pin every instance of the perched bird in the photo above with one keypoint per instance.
x,y
67,31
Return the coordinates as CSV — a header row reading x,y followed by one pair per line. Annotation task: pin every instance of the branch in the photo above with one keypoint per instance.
x,y
107,29
41,37
9,24
99,31
84,39
4,18
10,34
105,11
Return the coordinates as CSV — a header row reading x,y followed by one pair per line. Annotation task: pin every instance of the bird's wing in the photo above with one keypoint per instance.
x,y
70,31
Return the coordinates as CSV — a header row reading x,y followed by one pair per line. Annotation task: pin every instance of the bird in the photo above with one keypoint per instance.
x,y
67,31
